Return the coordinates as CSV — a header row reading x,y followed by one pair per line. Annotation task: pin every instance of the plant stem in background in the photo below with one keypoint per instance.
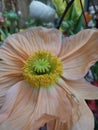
x,y
83,13
65,11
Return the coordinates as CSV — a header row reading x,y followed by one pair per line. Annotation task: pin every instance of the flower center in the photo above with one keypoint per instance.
x,y
41,66
42,69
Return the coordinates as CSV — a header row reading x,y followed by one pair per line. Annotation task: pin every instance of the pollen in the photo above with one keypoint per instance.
x,y
42,69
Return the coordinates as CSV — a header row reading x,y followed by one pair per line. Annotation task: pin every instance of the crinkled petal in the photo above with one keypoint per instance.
x,y
85,120
78,53
5,84
25,108
82,88
82,117
41,38
10,65
19,105
21,45
12,51
8,69
56,124
10,74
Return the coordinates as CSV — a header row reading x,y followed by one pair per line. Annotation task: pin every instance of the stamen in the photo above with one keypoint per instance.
x,y
42,69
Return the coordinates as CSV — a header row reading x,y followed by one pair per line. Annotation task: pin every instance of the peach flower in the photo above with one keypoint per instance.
x,y
42,80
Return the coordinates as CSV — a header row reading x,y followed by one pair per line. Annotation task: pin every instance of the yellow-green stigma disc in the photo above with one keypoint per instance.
x,y
42,69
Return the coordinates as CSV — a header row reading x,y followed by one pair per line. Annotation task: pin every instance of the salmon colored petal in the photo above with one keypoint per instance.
x,y
24,106
57,125
85,120
78,53
5,83
82,117
48,103
41,38
8,69
52,123
19,104
83,89
10,65
21,45
8,105
10,73
12,50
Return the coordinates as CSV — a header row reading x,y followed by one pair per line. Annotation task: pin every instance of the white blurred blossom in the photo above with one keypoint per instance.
x,y
41,11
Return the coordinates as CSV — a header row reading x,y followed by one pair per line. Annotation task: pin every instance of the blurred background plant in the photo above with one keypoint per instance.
x,y
69,16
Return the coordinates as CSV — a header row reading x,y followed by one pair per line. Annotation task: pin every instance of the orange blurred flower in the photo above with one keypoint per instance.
x,y
88,17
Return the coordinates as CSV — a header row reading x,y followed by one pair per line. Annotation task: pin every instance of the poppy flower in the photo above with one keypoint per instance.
x,y
42,80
